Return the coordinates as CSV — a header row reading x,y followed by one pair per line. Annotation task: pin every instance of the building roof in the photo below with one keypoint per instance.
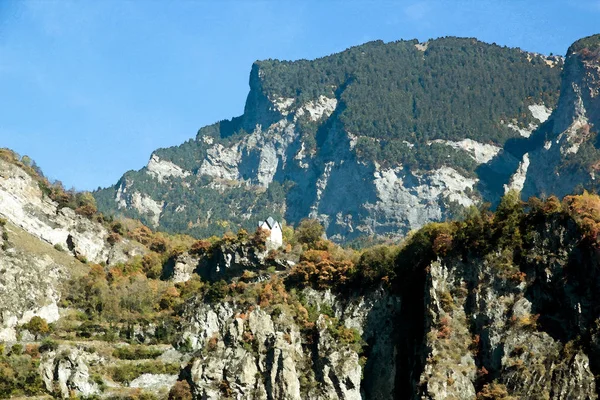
x,y
269,221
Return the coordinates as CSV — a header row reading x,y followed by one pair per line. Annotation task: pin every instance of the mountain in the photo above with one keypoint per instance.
x,y
494,305
376,140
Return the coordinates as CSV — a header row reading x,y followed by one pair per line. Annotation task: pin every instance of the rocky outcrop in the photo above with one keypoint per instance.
x,y
66,370
29,286
25,205
266,354
566,157
184,266
230,259
154,382
493,319
523,324
164,169
224,261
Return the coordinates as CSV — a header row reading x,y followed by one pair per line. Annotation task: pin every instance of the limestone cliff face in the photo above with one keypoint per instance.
x,y
293,156
29,285
66,370
261,354
24,205
351,197
520,322
566,154
524,327
39,248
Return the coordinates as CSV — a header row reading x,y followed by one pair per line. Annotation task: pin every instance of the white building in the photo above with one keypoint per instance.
x,y
275,238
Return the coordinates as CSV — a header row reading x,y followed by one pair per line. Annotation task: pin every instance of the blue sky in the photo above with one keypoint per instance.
x,y
89,89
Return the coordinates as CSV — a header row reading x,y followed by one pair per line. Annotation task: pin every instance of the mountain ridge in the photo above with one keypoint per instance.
x,y
285,155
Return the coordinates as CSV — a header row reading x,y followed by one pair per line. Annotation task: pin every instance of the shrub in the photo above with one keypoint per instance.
x,y
180,391
86,210
142,234
20,377
118,228
200,247
444,330
212,343
48,345
152,265
325,274
259,239
494,391
190,288
32,350
37,326
113,238
526,322
217,292
447,302
127,372
158,244
170,299
347,336
585,211
375,263
136,353
309,231
16,349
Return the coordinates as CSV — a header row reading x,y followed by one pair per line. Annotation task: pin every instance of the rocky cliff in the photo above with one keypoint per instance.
x,y
496,306
562,156
24,204
493,307
471,313
371,141
43,245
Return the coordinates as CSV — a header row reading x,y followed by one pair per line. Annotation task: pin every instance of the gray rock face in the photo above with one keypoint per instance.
x,y
253,354
29,286
154,382
570,130
482,320
350,197
230,259
67,369
184,267
24,205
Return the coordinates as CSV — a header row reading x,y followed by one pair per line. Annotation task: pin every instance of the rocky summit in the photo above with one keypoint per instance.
x,y
500,303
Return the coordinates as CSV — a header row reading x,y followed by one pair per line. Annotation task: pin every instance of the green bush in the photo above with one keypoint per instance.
x,y
16,349
37,326
136,353
128,372
19,376
217,292
309,231
48,345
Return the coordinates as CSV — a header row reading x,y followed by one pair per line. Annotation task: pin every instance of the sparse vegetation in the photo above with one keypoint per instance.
x,y
136,353
125,373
